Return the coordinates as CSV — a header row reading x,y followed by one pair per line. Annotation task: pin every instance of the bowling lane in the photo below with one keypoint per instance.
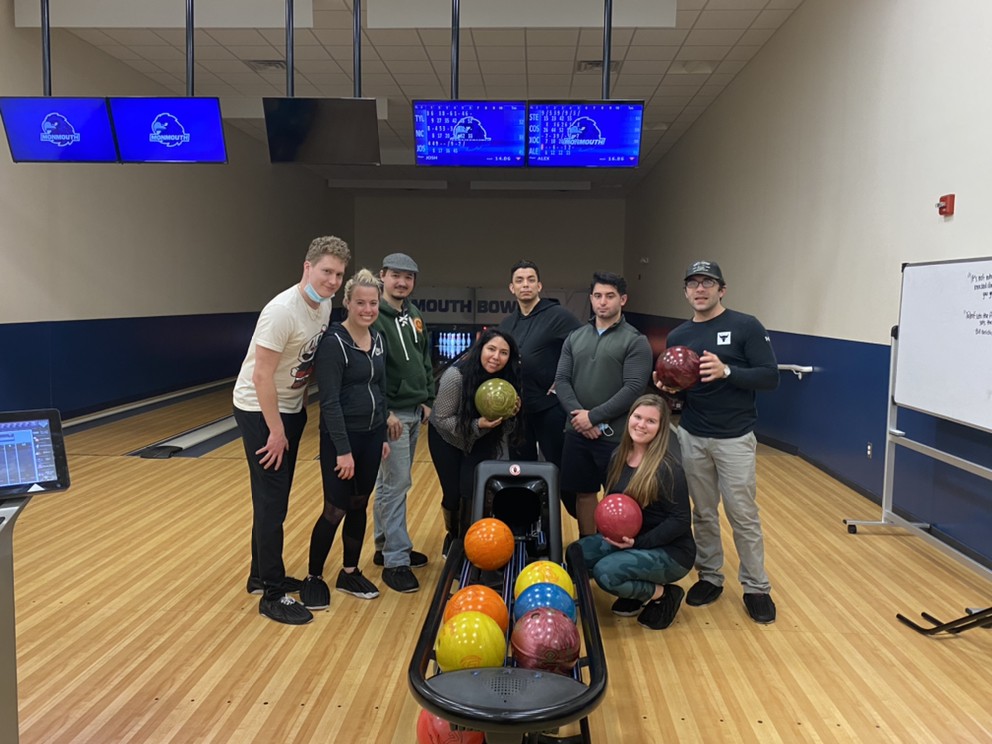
x,y
142,429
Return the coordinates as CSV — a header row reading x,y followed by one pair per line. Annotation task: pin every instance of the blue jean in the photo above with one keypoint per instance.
x,y
631,573
391,487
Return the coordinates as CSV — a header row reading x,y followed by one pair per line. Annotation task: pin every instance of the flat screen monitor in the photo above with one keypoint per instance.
x,y
58,130
169,130
472,133
322,131
32,453
601,134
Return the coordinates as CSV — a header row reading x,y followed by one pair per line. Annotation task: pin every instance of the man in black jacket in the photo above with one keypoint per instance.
x,y
539,326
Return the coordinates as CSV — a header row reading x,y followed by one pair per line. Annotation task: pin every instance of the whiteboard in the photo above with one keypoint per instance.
x,y
944,353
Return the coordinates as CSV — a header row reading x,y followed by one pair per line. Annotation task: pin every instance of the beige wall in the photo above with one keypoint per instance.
x,y
99,241
814,176
472,242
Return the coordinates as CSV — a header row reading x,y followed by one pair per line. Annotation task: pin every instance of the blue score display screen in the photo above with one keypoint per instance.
x,y
591,135
473,133
58,130
169,130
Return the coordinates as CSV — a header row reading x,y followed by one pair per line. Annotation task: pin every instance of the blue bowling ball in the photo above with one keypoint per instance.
x,y
544,594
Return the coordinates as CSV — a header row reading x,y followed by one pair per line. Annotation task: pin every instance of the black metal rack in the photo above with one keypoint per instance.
x,y
510,704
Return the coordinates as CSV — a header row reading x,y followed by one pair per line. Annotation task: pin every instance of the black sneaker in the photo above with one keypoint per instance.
x,y
284,610
400,579
703,593
760,607
356,584
315,595
658,614
417,560
626,607
289,585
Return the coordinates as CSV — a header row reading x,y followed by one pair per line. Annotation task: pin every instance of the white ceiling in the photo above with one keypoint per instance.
x,y
677,71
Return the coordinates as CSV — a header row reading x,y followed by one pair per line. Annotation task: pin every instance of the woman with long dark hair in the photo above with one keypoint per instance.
x,y
459,437
641,569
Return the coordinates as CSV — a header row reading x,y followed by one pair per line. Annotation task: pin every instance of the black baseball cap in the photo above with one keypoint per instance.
x,y
705,268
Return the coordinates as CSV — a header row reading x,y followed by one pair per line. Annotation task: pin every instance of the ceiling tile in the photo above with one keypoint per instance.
x,y
465,67
771,18
302,37
637,67
393,37
306,52
731,67
135,36
93,36
755,37
736,4
721,37
691,4
686,19
621,36
212,52
717,19
177,37
720,79
742,52
667,100
441,53
552,36
702,53
549,81
408,79
347,52
307,66
402,53
435,36
337,38
260,51
323,79
500,52
425,91
143,65
659,37
410,66
552,53
224,67
506,81
506,92
498,36
236,36
502,67
651,53
550,67
159,52
121,52
369,66
681,84
783,4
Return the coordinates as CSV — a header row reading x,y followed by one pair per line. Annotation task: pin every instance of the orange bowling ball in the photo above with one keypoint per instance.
x,y
478,598
489,544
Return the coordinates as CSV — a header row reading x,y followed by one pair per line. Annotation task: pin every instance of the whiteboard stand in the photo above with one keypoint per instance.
x,y
895,438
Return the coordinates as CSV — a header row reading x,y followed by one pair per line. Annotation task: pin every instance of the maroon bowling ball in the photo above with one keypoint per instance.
x,y
618,516
678,367
545,639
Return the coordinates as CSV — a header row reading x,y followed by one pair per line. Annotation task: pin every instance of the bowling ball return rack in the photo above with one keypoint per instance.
x,y
510,704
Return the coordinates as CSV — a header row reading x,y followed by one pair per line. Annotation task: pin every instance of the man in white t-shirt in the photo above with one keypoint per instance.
x,y
270,409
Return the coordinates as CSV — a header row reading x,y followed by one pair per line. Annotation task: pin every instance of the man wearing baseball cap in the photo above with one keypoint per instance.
x,y
410,396
716,435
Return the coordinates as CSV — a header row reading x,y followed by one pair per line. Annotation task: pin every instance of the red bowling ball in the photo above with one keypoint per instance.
x,y
678,367
545,639
432,729
619,516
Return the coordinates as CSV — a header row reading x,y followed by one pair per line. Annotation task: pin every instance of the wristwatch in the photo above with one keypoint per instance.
x,y
726,371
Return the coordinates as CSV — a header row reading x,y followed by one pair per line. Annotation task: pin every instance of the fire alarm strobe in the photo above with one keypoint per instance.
x,y
945,207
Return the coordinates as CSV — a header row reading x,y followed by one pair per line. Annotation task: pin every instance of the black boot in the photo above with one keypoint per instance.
x,y
452,527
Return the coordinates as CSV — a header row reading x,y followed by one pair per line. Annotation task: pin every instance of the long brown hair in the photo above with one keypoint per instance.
x,y
644,486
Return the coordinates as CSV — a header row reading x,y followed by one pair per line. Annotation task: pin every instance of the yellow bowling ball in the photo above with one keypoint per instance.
x,y
544,571
470,640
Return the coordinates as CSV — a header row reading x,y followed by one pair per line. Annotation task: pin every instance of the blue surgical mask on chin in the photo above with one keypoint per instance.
x,y
312,293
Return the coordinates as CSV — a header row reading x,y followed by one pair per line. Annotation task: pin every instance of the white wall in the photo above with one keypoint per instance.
x,y
472,242
103,241
813,178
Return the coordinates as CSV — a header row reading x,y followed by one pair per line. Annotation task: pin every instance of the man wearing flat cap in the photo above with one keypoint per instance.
x,y
716,435
410,396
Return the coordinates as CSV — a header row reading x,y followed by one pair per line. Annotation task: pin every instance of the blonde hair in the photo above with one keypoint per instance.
x,y
644,486
362,278
328,245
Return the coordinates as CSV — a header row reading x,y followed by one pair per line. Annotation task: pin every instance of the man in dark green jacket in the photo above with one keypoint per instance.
x,y
410,396
603,368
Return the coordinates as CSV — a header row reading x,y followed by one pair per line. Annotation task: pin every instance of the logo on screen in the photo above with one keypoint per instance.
x,y
467,131
583,131
166,130
55,128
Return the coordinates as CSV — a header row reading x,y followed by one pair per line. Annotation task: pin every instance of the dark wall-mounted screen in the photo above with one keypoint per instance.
x,y
32,452
473,133
322,131
169,130
604,134
58,130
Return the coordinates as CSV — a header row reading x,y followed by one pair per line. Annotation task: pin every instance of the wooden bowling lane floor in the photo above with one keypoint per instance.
x,y
143,429
133,625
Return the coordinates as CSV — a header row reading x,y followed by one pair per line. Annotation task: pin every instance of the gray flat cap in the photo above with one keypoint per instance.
x,y
400,262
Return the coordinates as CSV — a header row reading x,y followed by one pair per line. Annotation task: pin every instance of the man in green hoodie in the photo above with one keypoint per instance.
x,y
410,396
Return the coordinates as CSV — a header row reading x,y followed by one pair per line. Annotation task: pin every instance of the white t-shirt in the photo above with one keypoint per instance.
x,y
293,328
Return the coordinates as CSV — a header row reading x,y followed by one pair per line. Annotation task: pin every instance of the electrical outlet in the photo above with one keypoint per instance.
x,y
869,450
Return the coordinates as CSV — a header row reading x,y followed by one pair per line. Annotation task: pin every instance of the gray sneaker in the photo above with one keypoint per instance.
x,y
356,584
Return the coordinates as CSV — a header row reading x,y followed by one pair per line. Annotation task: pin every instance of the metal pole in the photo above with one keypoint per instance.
x,y
455,29
289,48
189,48
357,47
46,49
607,41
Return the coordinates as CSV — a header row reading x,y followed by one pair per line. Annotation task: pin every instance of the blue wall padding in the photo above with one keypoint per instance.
x,y
83,366
829,417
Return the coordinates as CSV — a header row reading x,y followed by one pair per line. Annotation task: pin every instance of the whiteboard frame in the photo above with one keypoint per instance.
x,y
897,329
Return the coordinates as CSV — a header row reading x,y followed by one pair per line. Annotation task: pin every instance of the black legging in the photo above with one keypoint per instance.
x,y
345,500
456,468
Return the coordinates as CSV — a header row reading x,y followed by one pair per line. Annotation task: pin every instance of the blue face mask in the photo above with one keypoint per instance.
x,y
312,293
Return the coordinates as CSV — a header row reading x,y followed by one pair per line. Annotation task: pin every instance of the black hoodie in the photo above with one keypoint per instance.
x,y
539,335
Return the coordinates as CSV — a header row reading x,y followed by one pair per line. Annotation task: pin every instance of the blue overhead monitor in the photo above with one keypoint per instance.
x,y
169,130
58,130
470,133
602,134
